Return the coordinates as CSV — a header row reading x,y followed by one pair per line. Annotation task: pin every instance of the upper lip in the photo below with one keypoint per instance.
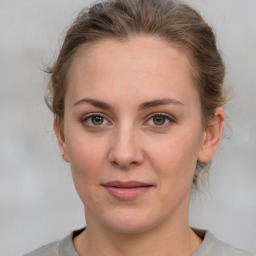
x,y
126,184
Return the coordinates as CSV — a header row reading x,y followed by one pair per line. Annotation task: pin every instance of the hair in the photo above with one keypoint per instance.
x,y
169,20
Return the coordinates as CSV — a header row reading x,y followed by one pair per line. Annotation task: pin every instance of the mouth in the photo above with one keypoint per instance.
x,y
127,190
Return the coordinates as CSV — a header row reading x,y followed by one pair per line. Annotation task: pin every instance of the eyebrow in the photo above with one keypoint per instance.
x,y
159,102
143,106
96,103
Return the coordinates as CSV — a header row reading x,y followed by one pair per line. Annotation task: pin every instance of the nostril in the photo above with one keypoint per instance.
x,y
124,165
125,155
114,163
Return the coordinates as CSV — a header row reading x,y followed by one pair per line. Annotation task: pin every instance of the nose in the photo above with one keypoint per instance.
x,y
126,150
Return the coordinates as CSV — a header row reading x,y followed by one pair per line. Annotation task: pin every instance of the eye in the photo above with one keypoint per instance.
x,y
160,119
94,120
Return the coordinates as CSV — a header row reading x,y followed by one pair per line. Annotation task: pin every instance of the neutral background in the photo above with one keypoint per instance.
x,y
38,202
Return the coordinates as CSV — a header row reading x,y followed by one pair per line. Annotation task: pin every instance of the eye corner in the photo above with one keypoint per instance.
x,y
165,120
100,120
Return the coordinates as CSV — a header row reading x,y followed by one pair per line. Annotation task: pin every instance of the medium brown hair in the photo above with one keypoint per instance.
x,y
170,20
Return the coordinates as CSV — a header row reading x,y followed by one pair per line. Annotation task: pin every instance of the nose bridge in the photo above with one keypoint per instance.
x,y
125,148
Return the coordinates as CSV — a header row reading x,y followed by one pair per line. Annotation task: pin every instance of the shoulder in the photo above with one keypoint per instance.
x,y
63,247
226,249
211,246
52,249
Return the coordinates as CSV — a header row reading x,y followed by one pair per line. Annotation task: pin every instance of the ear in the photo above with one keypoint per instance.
x,y
61,138
211,136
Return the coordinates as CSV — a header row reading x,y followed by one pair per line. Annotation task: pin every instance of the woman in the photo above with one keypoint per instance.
x,y
137,94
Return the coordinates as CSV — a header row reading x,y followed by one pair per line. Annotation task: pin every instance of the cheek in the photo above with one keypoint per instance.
x,y
86,157
175,157
86,160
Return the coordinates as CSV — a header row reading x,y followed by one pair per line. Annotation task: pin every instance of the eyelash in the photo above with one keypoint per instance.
x,y
167,117
89,117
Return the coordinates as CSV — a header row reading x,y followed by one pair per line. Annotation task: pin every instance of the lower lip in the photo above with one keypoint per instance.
x,y
127,193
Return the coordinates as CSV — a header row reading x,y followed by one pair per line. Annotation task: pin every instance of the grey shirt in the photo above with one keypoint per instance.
x,y
209,247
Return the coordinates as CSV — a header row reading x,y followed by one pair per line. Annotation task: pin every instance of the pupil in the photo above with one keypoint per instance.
x,y
159,120
96,120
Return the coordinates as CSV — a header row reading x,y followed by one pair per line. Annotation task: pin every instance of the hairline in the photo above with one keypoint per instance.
x,y
179,46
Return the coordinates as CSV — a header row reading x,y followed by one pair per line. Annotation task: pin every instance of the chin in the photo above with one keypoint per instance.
x,y
130,223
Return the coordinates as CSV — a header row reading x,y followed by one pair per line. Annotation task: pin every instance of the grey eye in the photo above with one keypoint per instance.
x,y
97,120
159,120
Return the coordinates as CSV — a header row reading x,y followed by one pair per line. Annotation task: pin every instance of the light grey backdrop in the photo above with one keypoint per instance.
x,y
38,202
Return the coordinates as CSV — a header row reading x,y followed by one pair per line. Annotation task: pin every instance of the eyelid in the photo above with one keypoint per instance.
x,y
161,114
170,118
89,115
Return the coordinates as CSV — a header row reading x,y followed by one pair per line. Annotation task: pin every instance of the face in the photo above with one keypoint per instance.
x,y
132,133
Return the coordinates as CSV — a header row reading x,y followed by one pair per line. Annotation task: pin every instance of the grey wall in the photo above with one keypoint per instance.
x,y
38,202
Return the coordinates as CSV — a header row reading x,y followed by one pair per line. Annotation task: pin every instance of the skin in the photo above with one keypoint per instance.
x,y
131,145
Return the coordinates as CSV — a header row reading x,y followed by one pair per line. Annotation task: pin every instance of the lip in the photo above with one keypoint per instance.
x,y
128,190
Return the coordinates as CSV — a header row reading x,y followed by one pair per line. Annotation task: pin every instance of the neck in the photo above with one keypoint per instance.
x,y
175,238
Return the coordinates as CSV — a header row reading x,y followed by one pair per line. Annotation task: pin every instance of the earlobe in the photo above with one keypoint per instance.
x,y
211,137
60,138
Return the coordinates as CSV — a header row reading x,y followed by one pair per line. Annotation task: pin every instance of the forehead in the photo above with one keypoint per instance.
x,y
142,64
146,50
